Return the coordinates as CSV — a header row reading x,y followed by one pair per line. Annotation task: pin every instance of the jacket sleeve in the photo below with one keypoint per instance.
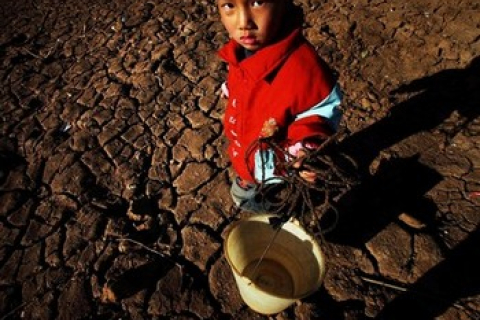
x,y
322,119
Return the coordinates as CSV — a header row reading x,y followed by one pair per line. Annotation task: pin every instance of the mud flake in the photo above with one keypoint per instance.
x,y
55,164
207,216
75,300
19,217
168,295
392,253
72,180
185,206
191,144
97,162
207,103
197,119
145,87
30,262
192,177
224,288
7,235
36,231
53,245
427,255
82,141
10,268
160,52
198,246
199,304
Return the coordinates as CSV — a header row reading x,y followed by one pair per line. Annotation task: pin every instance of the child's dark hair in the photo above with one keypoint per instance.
x,y
295,13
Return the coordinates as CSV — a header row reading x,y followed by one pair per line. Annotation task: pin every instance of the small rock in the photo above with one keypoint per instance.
x,y
411,221
108,296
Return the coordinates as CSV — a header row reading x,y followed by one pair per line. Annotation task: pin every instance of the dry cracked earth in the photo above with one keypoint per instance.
x,y
114,181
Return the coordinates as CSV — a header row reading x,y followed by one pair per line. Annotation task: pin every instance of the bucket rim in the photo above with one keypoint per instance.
x,y
262,217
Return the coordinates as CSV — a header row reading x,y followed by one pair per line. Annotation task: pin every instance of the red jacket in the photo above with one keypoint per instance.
x,y
279,81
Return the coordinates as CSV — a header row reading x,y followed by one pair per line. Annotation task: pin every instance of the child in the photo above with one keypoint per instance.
x,y
276,86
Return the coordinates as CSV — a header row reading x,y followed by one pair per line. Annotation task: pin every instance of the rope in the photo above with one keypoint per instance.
x,y
295,197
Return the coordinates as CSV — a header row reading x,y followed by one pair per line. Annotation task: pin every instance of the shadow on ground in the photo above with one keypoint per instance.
x,y
399,185
456,277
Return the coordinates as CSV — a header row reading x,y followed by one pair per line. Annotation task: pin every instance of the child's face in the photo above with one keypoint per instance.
x,y
253,24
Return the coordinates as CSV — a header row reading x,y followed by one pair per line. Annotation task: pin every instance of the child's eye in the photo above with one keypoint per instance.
x,y
226,6
257,3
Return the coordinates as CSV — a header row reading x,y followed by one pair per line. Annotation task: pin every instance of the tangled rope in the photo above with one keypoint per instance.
x,y
294,197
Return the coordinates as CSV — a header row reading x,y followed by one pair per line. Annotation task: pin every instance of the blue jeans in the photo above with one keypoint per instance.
x,y
248,198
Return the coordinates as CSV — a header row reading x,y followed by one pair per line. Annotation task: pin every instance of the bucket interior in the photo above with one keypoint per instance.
x,y
292,267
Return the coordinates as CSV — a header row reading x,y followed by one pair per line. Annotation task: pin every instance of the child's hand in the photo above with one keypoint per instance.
x,y
306,175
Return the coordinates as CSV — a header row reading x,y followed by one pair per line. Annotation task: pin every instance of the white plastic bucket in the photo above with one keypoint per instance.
x,y
293,266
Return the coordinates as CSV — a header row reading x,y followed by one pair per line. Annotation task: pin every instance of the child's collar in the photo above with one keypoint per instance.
x,y
244,53
265,60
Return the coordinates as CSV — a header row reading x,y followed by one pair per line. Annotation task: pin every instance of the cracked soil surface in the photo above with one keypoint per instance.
x,y
113,170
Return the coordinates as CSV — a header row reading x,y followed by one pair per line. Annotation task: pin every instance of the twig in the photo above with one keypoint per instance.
x,y
18,308
120,238
44,56
84,30
36,299
52,49
32,54
404,289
